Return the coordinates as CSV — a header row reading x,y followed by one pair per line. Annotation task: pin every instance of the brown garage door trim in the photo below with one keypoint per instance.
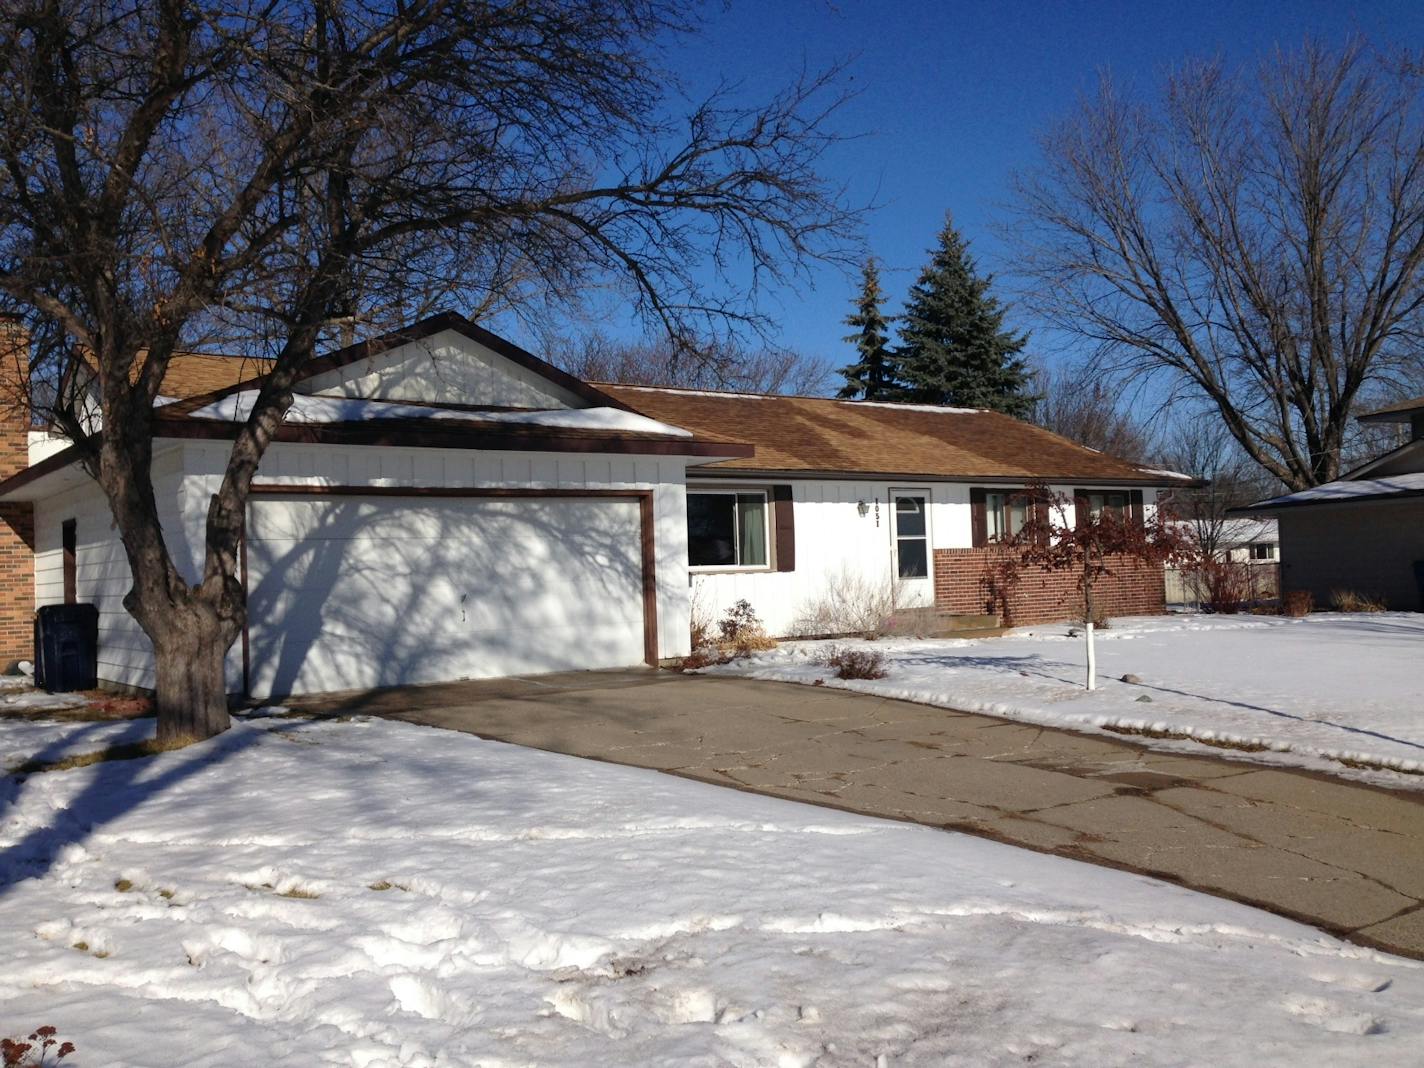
x,y
647,548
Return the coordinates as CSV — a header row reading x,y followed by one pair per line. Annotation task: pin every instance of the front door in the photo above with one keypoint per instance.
x,y
912,560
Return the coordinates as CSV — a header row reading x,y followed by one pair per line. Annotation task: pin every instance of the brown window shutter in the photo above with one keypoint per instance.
x,y
1080,506
784,527
1135,503
977,518
70,542
1042,517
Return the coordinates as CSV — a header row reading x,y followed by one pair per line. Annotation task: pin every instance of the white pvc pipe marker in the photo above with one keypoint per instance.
x,y
1092,661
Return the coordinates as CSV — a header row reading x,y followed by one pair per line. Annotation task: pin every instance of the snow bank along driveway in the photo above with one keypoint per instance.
x,y
376,894
1339,693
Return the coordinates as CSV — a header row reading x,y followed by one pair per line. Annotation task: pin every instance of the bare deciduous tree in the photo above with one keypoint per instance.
x,y
1200,448
1256,241
181,174
717,364
1081,406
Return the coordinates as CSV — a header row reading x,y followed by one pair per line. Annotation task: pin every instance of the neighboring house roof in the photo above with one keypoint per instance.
x,y
816,434
1346,491
1399,412
1399,473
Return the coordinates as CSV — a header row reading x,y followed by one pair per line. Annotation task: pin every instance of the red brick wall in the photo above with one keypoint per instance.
x,y
964,583
17,521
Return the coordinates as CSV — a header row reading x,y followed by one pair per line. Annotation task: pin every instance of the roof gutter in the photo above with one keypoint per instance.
x,y
1269,508
713,471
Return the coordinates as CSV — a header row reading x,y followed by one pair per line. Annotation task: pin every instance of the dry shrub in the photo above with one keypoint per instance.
x,y
705,656
856,663
850,603
701,634
1350,601
35,1051
1226,584
742,632
699,622
1297,603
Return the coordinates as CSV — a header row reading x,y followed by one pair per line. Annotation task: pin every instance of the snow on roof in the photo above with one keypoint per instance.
x,y
942,409
1247,531
1352,489
1239,531
1166,474
699,392
312,409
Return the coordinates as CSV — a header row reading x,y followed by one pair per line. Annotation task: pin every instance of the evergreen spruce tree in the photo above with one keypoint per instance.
x,y
953,346
872,376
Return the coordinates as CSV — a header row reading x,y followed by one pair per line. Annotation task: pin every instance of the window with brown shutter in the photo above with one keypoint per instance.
x,y
1092,502
979,522
727,529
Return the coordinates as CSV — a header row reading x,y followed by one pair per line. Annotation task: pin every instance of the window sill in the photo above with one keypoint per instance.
x,y
705,569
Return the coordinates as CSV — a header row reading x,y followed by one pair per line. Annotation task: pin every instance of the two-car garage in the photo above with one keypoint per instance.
x,y
361,587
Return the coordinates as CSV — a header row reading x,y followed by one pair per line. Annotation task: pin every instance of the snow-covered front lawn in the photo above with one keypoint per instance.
x,y
376,894
1339,693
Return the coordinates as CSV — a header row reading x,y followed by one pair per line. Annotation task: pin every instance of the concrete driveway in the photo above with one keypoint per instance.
x,y
1348,858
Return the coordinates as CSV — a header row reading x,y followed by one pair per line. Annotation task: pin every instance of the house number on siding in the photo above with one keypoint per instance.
x,y
877,514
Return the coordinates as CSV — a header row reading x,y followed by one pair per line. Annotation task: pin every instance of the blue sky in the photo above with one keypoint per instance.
x,y
952,96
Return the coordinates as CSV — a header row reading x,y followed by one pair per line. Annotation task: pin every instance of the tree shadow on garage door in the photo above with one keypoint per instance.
x,y
371,592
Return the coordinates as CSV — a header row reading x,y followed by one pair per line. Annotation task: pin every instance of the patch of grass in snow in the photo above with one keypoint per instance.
x,y
1255,747
124,886
1375,765
384,885
292,891
1185,736
127,751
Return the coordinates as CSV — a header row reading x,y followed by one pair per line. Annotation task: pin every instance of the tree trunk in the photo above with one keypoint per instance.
x,y
190,653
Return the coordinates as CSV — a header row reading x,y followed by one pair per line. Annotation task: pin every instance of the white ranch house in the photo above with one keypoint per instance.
x,y
443,505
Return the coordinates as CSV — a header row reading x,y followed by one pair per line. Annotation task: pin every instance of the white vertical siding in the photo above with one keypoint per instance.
x,y
102,571
836,544
186,476
446,368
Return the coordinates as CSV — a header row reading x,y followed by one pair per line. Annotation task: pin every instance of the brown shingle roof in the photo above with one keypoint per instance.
x,y
827,436
191,374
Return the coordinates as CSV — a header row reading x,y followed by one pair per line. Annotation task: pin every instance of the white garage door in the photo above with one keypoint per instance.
x,y
355,592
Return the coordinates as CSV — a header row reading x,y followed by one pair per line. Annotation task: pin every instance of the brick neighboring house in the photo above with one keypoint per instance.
x,y
441,504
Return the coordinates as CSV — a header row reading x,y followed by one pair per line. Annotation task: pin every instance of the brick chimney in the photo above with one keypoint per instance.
x,y
17,519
